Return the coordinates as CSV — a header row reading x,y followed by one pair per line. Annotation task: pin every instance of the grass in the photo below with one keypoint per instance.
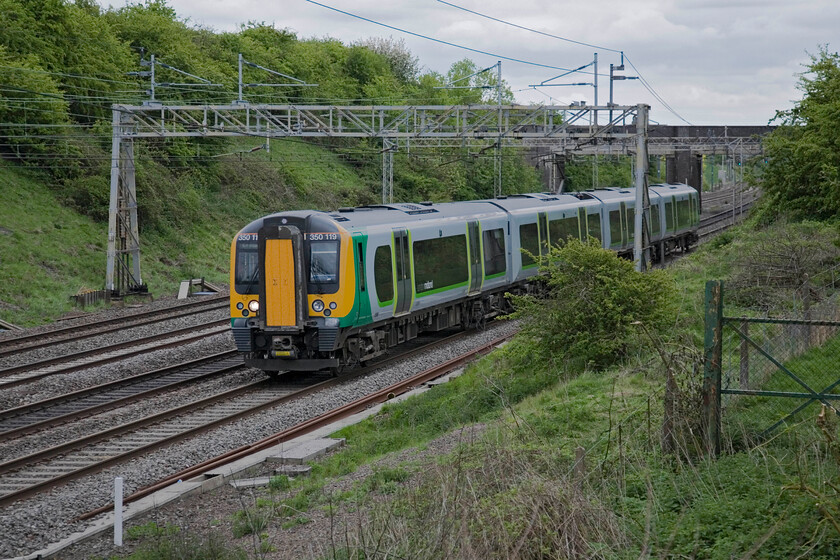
x,y
47,252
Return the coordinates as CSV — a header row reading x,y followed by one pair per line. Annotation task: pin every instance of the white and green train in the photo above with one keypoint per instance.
x,y
315,290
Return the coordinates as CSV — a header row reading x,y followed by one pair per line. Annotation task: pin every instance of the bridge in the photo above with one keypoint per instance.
x,y
682,147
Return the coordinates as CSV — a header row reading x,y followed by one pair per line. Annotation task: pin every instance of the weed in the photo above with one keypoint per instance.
x,y
150,530
279,483
296,521
250,521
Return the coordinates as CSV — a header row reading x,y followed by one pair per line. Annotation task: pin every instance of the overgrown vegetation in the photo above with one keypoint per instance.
x,y
595,307
802,175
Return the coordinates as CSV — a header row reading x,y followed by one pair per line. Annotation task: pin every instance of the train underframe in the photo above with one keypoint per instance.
x,y
338,349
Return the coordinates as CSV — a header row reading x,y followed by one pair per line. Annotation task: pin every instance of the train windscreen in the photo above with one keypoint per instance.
x,y
323,262
247,273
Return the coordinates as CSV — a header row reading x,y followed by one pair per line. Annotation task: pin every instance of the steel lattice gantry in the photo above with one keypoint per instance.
x,y
488,125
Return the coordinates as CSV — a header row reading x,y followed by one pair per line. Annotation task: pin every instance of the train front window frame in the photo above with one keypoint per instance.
x,y
324,261
246,279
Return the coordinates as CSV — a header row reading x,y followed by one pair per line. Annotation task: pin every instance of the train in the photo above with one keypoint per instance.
x,y
313,290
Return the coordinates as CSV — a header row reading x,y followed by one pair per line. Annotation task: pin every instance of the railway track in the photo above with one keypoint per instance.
x,y
13,376
40,470
27,341
312,424
22,420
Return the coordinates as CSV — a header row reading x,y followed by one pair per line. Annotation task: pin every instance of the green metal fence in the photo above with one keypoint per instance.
x,y
763,373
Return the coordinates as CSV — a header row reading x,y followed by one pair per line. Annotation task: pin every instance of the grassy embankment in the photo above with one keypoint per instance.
x,y
519,494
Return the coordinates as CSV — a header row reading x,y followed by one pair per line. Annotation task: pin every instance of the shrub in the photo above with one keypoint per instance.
x,y
594,303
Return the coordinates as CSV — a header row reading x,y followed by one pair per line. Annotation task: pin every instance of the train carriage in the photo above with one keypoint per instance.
x,y
313,290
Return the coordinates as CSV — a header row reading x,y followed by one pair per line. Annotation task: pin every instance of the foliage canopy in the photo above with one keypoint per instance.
x,y
597,305
802,176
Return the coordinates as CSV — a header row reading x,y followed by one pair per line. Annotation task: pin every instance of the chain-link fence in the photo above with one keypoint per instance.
x,y
761,373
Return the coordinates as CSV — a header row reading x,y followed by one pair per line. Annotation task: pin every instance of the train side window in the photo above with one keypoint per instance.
x,y
361,267
440,263
615,228
669,216
561,230
655,220
594,226
495,259
529,240
630,214
383,275
683,213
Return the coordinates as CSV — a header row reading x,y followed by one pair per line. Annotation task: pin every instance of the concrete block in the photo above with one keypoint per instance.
x,y
305,451
251,482
293,470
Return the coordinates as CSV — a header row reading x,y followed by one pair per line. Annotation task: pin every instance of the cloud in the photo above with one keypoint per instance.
x,y
714,62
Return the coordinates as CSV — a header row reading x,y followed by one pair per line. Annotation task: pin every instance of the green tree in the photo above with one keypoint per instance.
x,y
596,305
802,176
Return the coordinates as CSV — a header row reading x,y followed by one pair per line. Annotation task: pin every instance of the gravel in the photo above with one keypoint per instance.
x,y
32,524
111,337
79,318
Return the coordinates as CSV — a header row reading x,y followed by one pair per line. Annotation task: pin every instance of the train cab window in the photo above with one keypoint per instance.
x,y
383,275
323,262
669,215
530,241
615,228
562,230
593,223
655,220
439,263
247,267
495,259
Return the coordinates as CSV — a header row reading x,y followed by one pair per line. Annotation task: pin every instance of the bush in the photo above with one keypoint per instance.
x,y
594,306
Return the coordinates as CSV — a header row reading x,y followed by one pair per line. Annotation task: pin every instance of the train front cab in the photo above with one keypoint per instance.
x,y
293,289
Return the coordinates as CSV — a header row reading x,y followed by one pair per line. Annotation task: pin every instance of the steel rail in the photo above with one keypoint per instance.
x,y
135,383
310,425
107,322
158,317
17,464
222,326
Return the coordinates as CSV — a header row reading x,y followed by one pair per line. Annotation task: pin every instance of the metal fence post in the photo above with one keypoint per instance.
x,y
745,357
713,341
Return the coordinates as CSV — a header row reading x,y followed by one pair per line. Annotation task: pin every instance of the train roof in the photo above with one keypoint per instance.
x,y
387,214
411,212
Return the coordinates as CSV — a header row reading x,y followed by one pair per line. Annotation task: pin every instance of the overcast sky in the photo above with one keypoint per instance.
x,y
713,61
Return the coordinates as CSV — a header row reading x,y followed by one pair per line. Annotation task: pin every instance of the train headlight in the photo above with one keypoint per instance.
x,y
317,306
254,305
240,306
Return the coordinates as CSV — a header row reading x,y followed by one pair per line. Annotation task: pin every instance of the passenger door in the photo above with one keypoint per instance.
x,y
542,220
402,265
476,276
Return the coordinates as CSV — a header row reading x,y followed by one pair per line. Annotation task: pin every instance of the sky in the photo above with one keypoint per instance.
x,y
712,62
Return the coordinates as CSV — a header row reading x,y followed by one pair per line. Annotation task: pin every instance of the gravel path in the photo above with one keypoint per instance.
x,y
32,524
